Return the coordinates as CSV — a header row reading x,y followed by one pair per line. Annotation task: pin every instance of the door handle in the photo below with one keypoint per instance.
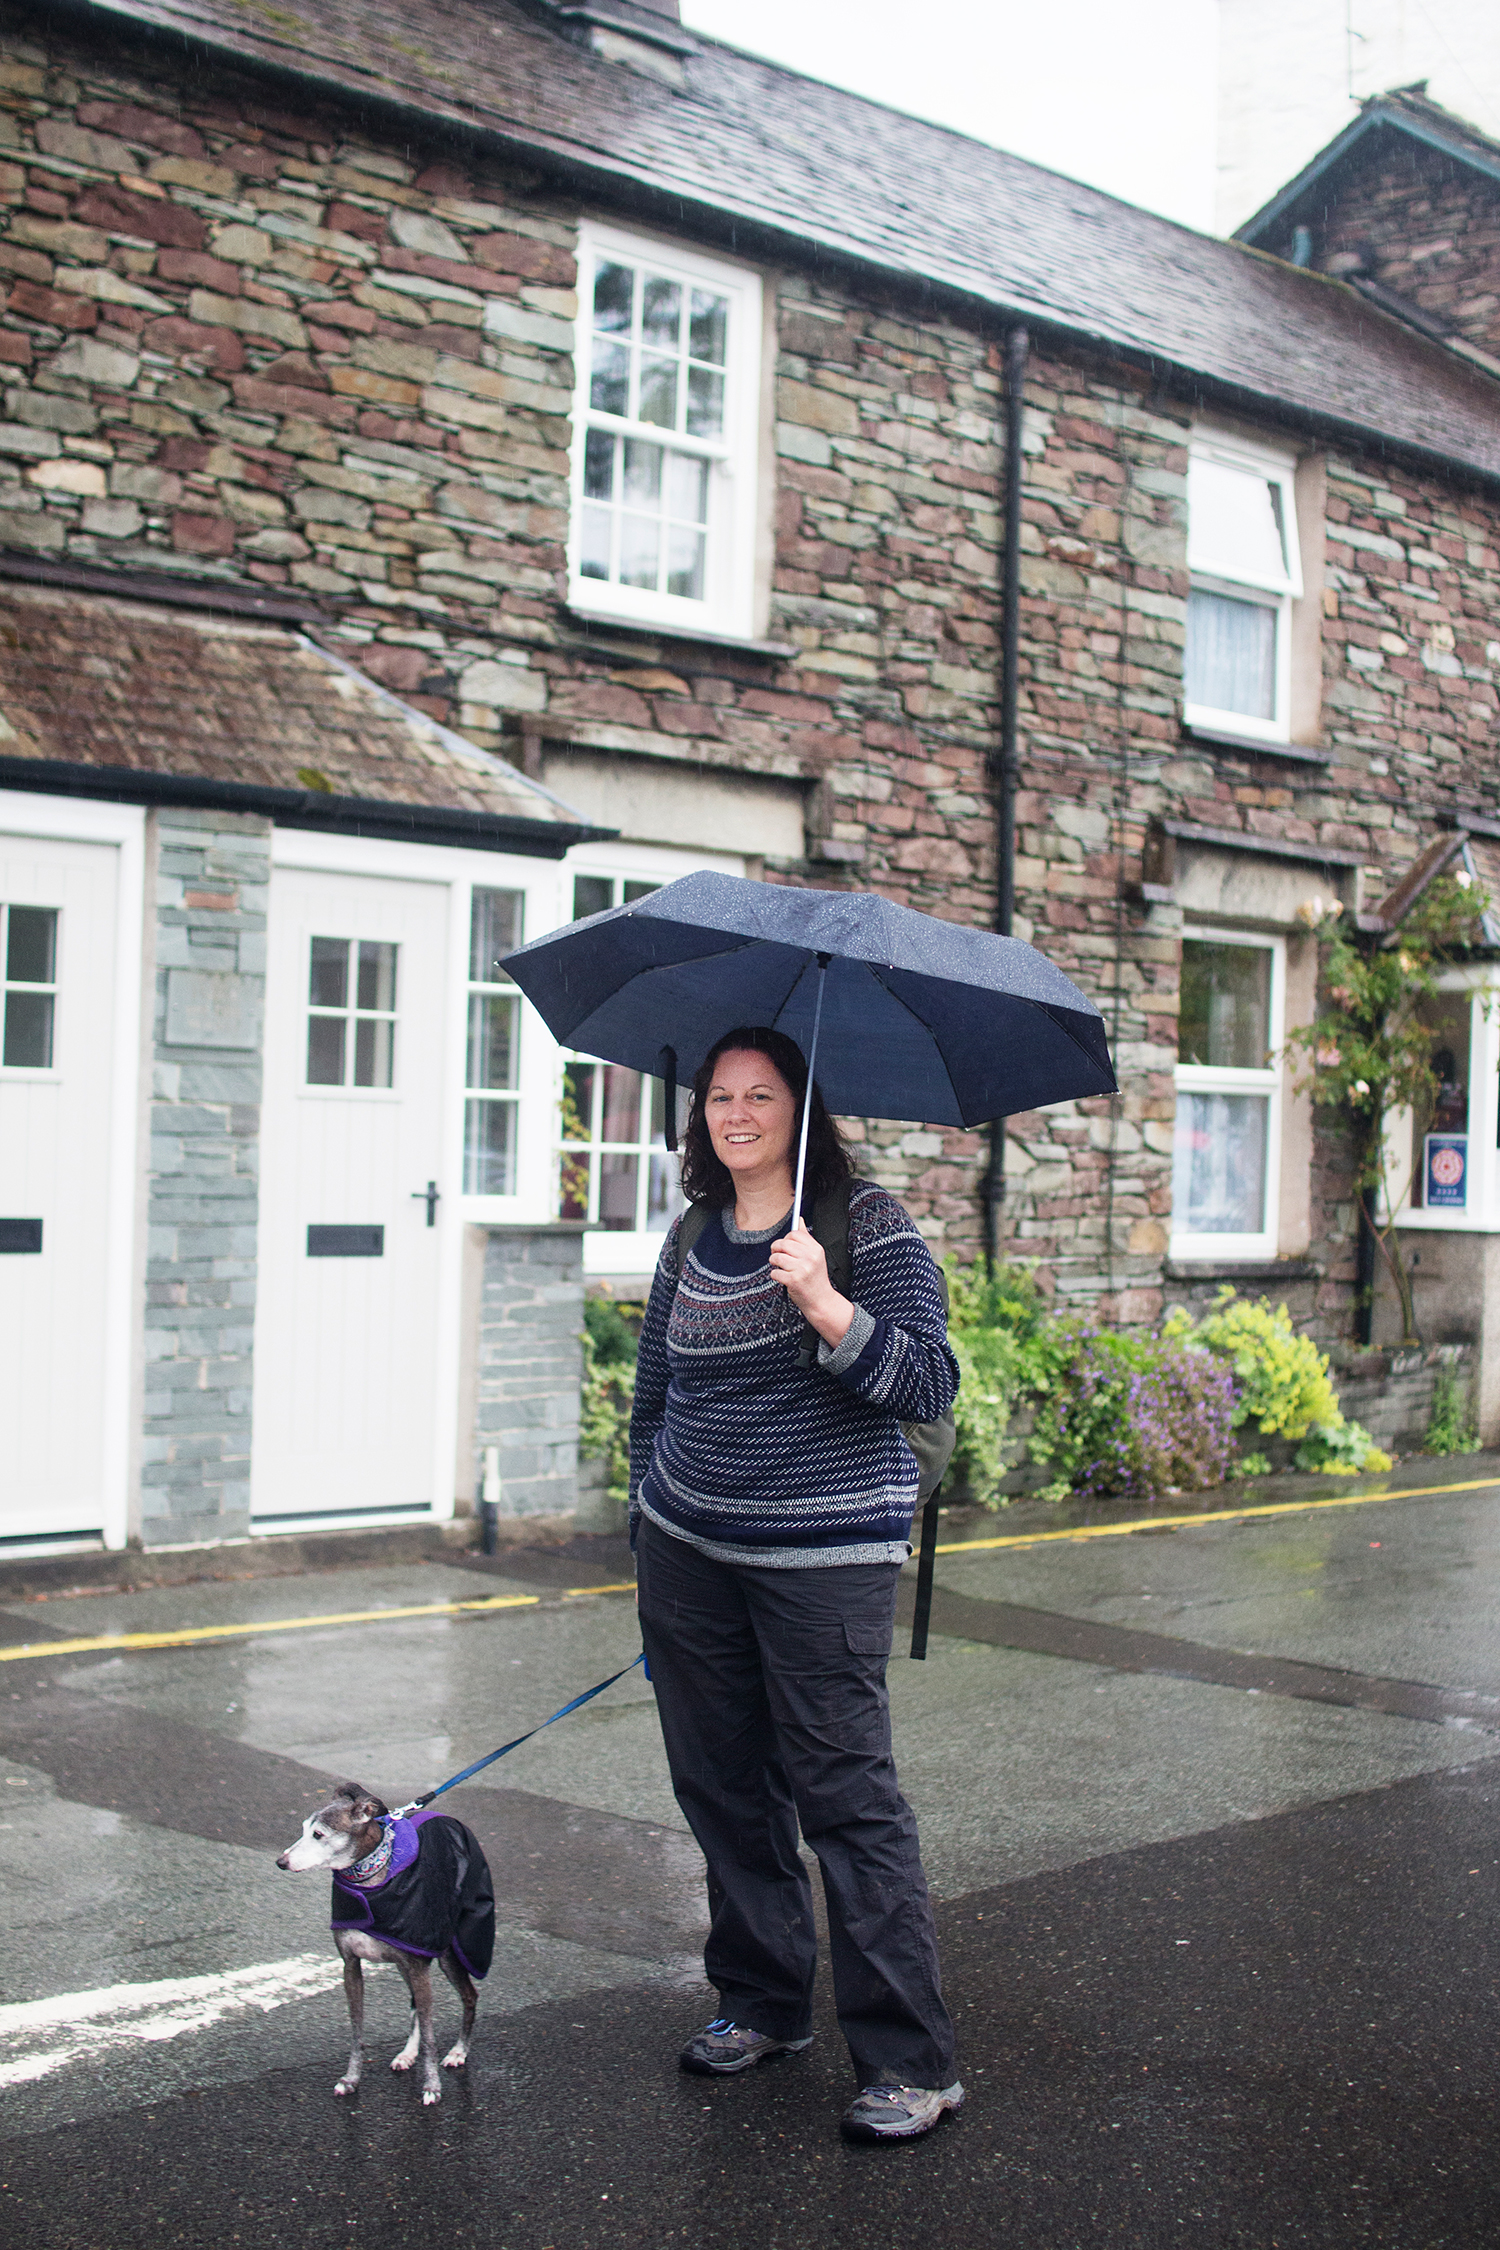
x,y
430,1196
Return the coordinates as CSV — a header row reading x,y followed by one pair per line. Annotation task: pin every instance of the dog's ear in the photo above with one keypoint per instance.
x,y
362,1805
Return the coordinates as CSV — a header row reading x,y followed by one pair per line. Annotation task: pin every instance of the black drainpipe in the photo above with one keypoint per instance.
x,y
1364,1266
1017,349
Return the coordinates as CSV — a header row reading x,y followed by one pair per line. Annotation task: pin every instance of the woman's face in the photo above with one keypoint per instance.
x,y
752,1115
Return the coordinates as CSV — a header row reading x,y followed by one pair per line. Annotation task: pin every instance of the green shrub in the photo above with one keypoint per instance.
x,y
1134,1414
1451,1429
610,1334
999,1327
1340,1449
1282,1384
1281,1378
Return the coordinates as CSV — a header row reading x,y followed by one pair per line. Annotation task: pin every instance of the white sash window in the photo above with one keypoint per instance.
x,y
1227,1138
1245,575
664,436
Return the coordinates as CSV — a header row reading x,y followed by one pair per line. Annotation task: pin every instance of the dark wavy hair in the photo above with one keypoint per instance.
x,y
705,1179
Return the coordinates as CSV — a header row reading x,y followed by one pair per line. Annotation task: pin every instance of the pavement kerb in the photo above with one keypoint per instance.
x,y
188,1635
1212,1515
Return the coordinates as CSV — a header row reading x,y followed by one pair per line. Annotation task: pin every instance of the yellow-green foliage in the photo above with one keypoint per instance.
x,y
1281,1377
1282,1383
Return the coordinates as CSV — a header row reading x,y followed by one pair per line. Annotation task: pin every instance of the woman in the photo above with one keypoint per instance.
x,y
771,1506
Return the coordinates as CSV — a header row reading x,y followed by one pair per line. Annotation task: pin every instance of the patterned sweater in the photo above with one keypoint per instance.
x,y
740,1451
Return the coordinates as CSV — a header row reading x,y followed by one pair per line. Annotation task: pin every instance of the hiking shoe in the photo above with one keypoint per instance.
x,y
725,2047
899,2113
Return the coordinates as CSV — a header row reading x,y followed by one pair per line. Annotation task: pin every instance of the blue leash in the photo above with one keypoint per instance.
x,y
480,1763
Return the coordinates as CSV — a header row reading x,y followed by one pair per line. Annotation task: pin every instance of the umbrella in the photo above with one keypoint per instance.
x,y
904,1016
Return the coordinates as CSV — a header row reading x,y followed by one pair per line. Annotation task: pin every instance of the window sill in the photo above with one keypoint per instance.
x,y
694,635
1180,1268
1447,1222
1252,745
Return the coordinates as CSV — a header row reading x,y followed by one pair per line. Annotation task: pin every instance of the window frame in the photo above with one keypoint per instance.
x,y
512,1096
31,1073
1206,1078
351,1015
1481,1212
728,607
630,1249
1275,593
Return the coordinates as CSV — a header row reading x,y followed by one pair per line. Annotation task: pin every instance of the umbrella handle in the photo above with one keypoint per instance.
x,y
812,1058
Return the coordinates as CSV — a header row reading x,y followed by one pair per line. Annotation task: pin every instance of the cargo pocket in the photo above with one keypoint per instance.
x,y
873,1639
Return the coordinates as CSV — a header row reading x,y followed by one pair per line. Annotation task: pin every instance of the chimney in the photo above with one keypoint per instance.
x,y
643,35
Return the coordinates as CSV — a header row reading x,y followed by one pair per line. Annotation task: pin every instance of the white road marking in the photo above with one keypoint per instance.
x,y
40,2036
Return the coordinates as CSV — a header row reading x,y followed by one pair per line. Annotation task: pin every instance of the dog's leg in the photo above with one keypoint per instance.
x,y
354,1993
419,1983
408,2054
458,2053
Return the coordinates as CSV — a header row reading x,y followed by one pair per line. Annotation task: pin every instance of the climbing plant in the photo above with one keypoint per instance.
x,y
1369,1052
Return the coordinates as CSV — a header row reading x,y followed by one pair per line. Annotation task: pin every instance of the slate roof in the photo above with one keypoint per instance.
x,y
1404,113
137,701
753,147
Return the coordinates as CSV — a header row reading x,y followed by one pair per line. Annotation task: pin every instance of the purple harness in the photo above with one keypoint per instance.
x,y
433,1895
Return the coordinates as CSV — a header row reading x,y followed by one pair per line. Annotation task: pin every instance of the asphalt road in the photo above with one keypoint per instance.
x,y
1212,1816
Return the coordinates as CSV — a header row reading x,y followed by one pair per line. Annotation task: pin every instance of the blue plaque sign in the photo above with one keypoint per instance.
x,y
1445,1168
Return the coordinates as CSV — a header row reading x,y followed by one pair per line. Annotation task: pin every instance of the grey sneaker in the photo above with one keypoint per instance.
x,y
899,2113
725,2047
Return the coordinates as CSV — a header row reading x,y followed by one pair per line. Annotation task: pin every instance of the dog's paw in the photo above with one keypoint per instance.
x,y
455,2058
431,2095
347,2086
402,2061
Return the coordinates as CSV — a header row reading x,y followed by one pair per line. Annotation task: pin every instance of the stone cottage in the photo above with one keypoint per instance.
x,y
467,463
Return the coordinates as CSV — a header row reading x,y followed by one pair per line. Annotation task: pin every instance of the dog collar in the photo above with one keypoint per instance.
x,y
372,1868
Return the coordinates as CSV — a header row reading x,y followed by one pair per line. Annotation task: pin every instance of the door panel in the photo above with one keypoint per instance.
x,y
346,1371
57,1053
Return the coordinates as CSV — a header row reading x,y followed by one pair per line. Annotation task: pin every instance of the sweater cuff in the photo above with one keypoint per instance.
x,y
837,1359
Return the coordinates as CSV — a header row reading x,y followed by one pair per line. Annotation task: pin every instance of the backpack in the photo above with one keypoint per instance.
x,y
931,1442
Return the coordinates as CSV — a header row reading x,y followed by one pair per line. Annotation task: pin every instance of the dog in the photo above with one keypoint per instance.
x,y
412,1890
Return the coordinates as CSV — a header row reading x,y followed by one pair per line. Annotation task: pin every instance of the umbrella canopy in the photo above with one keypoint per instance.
x,y
919,1019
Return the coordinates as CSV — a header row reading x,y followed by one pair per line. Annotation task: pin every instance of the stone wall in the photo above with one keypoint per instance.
x,y
245,341
212,876
529,1367
1422,226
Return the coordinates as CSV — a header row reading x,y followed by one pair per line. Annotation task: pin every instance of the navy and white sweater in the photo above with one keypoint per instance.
x,y
741,1452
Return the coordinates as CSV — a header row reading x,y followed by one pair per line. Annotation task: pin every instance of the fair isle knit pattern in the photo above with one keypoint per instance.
x,y
736,1448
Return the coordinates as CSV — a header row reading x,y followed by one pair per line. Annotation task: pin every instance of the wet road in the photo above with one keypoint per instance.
x,y
1212,1815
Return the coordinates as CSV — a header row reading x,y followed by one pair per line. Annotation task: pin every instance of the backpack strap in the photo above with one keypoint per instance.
x,y
694,1219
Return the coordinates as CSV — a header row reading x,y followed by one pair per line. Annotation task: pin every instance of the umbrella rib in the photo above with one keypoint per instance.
x,y
652,968
902,1002
1041,1008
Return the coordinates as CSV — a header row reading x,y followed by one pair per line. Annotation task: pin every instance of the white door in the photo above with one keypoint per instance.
x,y
58,938
347,1310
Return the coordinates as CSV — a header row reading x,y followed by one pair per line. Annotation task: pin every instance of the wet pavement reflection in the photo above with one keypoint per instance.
x,y
1087,1765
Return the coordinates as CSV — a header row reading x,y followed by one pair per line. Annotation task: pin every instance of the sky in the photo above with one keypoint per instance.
x,y
1077,84
1199,109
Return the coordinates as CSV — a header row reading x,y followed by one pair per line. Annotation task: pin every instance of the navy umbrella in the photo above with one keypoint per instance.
x,y
902,1015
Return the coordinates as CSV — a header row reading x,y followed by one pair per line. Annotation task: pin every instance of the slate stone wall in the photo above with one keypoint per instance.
x,y
1429,229
530,1366
212,875
248,342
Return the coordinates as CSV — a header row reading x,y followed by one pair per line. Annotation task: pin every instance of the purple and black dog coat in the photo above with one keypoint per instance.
x,y
435,1895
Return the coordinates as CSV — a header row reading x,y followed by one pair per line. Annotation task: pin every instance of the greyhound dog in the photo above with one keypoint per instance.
x,y
412,1891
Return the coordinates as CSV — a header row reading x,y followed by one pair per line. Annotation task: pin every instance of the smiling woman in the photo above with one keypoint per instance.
x,y
771,1504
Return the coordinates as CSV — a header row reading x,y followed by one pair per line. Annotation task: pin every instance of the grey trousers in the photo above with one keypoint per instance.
x,y
771,1689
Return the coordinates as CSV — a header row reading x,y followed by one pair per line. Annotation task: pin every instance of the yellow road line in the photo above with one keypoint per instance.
x,y
186,1636
1213,1515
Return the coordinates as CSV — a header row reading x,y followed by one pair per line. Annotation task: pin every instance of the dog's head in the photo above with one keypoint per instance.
x,y
338,1833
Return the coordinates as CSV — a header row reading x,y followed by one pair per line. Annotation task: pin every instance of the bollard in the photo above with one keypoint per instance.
x,y
489,1505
